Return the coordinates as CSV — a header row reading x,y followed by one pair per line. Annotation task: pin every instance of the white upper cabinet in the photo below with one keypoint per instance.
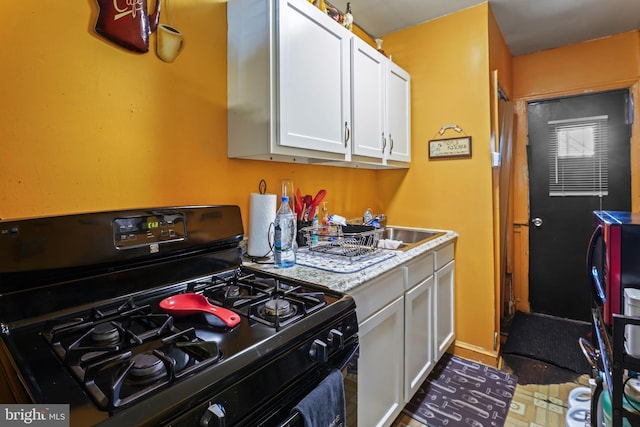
x,y
312,88
296,84
381,106
369,81
398,113
288,99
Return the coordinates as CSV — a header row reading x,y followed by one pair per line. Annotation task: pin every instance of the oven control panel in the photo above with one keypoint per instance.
x,y
148,230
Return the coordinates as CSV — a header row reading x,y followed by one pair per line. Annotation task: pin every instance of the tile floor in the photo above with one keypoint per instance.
x,y
543,405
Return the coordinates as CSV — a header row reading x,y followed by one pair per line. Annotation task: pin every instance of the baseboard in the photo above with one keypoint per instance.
x,y
473,352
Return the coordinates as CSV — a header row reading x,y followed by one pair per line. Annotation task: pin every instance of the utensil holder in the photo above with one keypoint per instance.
x,y
300,235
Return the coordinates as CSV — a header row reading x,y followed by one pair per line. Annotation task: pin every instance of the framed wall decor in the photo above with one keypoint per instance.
x,y
450,148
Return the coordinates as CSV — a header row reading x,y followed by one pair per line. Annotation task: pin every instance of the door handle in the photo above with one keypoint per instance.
x,y
347,134
537,222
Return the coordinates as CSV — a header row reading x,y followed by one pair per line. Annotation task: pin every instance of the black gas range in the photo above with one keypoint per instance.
x,y
147,317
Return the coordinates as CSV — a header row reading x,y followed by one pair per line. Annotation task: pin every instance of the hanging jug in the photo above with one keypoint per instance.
x,y
127,23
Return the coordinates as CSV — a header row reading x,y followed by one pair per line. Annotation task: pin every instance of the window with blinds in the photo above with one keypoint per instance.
x,y
578,157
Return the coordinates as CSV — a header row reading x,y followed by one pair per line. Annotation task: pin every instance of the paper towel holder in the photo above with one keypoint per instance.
x,y
266,258
262,210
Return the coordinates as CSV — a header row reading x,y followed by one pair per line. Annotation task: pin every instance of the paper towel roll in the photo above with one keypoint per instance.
x,y
262,213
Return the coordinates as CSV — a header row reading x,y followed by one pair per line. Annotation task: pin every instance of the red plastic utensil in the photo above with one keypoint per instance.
x,y
307,201
316,202
189,304
298,204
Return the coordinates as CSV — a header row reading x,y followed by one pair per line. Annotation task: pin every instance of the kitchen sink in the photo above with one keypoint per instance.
x,y
409,237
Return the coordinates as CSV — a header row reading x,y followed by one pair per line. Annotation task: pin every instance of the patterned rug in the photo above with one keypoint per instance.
x,y
460,392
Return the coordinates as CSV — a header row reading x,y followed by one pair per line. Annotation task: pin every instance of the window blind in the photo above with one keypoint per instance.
x,y
578,157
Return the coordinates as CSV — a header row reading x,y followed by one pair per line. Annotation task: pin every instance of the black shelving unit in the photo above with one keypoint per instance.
x,y
621,362
615,360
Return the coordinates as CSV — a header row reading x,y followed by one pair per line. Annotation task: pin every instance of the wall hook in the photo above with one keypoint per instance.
x,y
450,126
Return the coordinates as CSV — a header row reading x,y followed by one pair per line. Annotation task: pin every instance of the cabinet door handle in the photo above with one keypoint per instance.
x,y
384,142
347,134
390,146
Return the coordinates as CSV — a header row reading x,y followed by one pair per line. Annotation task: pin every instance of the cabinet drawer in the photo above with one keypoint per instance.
x,y
443,256
371,297
419,269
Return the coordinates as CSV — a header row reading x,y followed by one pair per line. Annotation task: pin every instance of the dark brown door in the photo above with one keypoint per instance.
x,y
579,161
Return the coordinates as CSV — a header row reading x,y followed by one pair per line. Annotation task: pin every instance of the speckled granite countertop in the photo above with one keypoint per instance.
x,y
344,282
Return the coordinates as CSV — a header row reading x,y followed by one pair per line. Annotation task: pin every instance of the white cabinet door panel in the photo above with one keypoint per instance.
x,y
419,342
444,327
398,113
380,366
314,79
368,79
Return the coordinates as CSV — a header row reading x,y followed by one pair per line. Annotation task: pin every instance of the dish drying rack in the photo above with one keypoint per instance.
x,y
352,241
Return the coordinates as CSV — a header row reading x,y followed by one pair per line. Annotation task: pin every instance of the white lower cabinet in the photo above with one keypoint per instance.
x,y
380,375
419,355
406,324
444,299
380,310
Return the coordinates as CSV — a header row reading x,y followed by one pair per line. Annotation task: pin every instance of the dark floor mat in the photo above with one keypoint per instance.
x,y
463,393
532,371
549,339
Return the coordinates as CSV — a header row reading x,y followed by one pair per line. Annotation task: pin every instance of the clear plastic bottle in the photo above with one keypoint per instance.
x,y
315,224
284,252
367,217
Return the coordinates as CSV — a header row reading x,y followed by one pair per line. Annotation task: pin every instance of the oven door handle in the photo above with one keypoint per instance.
x,y
295,418
352,353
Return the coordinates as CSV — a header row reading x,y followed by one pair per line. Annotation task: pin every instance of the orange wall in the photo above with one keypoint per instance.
x,y
449,66
87,126
499,56
584,66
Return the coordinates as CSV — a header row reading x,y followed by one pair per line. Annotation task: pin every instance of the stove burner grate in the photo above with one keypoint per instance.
x,y
105,334
124,355
146,368
277,307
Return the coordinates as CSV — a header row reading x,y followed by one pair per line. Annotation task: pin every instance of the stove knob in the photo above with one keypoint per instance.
x,y
318,351
336,339
213,417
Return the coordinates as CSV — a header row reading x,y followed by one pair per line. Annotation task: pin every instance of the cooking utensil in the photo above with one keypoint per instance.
x,y
307,200
189,304
298,204
316,202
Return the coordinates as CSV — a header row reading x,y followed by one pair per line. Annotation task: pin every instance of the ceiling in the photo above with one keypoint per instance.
x,y
527,25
